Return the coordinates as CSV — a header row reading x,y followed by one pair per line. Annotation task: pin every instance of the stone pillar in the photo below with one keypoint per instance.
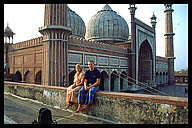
x,y
125,83
157,78
55,36
117,83
106,84
132,55
169,48
171,78
109,85
6,46
153,23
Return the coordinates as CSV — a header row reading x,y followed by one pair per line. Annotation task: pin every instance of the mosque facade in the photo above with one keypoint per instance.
x,y
125,55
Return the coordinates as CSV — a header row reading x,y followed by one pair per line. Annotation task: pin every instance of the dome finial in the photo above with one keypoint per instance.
x,y
153,20
153,15
132,8
107,8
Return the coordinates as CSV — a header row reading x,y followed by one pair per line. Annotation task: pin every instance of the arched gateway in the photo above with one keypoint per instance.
x,y
145,62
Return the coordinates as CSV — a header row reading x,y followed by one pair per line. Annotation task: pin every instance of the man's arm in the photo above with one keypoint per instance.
x,y
96,83
85,83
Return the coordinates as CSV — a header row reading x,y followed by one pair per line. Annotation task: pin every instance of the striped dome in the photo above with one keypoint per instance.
x,y
107,25
75,22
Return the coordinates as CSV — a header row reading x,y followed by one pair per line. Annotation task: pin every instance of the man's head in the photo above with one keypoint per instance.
x,y
91,65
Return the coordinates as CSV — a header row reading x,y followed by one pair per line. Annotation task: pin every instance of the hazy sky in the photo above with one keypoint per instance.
x,y
25,20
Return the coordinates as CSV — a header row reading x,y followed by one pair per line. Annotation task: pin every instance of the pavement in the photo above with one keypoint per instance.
x,y
18,110
7,120
177,90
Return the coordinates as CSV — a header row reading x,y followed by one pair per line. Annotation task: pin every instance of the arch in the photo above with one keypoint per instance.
x,y
123,82
146,40
160,78
6,68
27,77
17,77
157,78
166,77
38,77
145,68
104,81
114,70
71,77
114,77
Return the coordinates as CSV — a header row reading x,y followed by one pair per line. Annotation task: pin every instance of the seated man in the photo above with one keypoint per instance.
x,y
91,85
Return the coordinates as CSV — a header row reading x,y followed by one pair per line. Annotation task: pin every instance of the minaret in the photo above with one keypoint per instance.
x,y
8,33
55,36
169,48
153,23
132,55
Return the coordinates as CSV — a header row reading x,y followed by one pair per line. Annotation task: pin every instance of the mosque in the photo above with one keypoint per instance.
x,y
125,55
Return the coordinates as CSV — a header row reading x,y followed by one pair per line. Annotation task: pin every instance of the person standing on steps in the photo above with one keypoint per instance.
x,y
91,86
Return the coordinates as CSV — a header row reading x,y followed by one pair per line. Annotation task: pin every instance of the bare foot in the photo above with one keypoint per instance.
x,y
78,109
85,108
68,105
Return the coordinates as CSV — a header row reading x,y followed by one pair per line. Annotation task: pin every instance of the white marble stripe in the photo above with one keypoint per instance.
x,y
55,59
52,14
48,59
43,62
59,15
49,8
51,59
59,61
64,15
56,14
66,55
62,58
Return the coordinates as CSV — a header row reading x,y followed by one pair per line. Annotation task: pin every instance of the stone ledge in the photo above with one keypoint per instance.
x,y
34,85
154,98
114,106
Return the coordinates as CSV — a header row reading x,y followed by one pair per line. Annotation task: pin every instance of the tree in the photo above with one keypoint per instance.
x,y
184,70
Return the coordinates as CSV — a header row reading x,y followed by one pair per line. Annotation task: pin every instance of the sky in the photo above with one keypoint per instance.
x,y
25,20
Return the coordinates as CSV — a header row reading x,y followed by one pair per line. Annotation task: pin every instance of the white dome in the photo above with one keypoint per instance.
x,y
107,25
76,23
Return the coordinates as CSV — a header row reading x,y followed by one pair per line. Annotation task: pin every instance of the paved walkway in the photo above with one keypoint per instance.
x,y
24,111
7,120
169,90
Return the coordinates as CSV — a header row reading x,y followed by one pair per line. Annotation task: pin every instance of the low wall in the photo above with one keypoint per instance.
x,y
115,106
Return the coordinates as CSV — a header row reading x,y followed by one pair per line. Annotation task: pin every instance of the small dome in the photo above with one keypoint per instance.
x,y
107,25
7,29
75,22
8,32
